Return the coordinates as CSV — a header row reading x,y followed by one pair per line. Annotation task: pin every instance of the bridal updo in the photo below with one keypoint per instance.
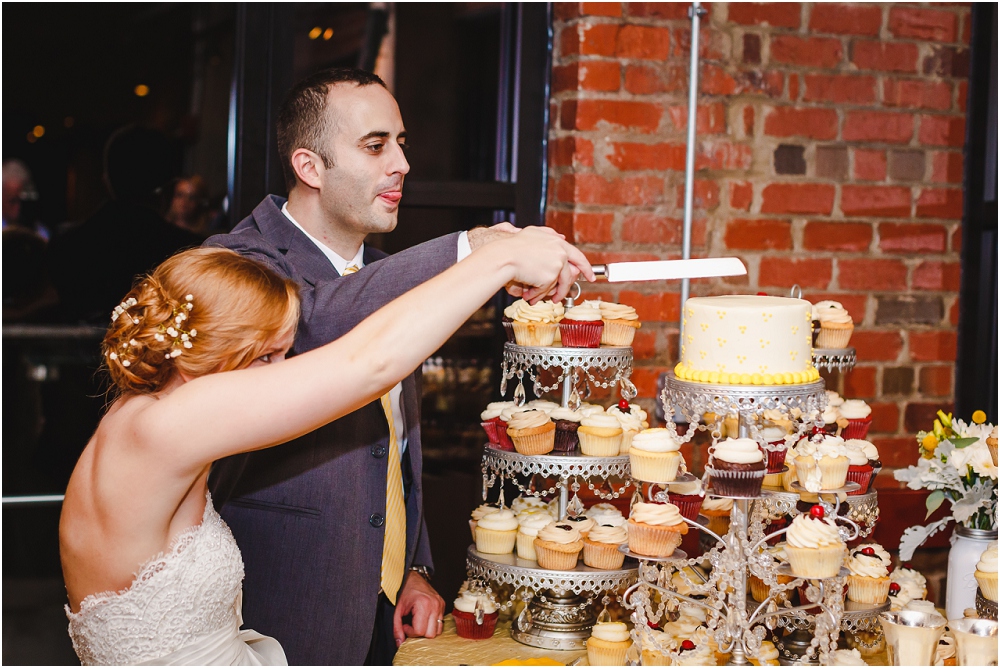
x,y
202,311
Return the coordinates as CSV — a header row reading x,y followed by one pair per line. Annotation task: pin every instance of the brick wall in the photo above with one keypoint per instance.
x,y
829,156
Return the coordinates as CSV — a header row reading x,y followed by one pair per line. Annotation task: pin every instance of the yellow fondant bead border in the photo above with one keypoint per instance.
x,y
722,378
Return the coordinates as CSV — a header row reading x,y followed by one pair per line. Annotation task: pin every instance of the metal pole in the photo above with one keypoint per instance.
x,y
695,12
39,500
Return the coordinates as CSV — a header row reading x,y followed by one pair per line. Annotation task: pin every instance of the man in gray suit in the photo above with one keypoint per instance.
x,y
311,516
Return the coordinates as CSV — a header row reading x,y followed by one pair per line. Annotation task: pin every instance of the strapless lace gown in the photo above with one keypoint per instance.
x,y
183,608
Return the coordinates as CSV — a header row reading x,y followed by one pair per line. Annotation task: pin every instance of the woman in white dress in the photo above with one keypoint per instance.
x,y
152,572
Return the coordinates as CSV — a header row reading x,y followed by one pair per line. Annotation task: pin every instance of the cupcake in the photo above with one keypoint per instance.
x,y
823,465
655,529
767,655
528,502
986,572
600,547
846,657
581,327
859,417
691,652
871,452
567,422
477,515
542,405
535,325
608,643
737,468
654,455
492,424
506,413
528,526
717,510
868,581
775,436
688,497
835,324
582,523
946,653
632,423
858,470
814,547
905,585
475,615
606,514
788,477
496,532
532,432
759,589
991,443
587,410
833,399
558,546
600,435
620,324
833,423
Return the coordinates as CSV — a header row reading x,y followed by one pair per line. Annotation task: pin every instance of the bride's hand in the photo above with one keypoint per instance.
x,y
544,264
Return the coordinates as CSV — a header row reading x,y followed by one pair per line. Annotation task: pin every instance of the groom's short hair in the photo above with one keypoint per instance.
x,y
302,118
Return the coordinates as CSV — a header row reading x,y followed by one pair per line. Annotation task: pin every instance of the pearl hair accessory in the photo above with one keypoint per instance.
x,y
174,329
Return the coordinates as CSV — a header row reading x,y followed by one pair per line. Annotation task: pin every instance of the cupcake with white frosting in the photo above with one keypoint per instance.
x,y
737,468
534,325
654,455
718,510
986,572
600,547
620,324
581,327
823,465
868,581
767,655
655,529
608,643
632,422
835,324
532,432
528,502
475,615
567,423
496,532
492,424
859,418
688,497
558,546
543,405
814,547
860,469
905,585
846,657
477,515
606,514
600,435
506,413
528,527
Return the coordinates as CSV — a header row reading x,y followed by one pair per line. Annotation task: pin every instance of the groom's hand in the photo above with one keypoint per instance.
x,y
418,599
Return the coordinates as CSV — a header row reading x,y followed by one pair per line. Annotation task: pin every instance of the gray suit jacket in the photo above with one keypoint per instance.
x,y
308,514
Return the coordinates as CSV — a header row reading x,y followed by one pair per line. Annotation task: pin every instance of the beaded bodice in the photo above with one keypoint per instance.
x,y
177,597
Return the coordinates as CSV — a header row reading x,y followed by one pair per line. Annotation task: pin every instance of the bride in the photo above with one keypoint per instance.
x,y
152,572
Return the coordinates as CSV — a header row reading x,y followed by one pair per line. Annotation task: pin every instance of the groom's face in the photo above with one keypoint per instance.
x,y
361,190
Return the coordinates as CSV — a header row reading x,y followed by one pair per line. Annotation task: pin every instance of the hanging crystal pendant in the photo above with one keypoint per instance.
x,y
519,393
574,400
575,507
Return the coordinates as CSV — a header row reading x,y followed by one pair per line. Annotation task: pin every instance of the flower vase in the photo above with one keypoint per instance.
x,y
962,559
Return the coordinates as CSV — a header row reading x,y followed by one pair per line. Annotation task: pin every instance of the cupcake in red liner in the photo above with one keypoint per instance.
x,y
859,417
688,497
737,468
860,469
775,437
567,422
776,525
475,616
581,327
492,424
856,429
504,441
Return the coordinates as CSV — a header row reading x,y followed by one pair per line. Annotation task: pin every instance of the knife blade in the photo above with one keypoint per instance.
x,y
670,270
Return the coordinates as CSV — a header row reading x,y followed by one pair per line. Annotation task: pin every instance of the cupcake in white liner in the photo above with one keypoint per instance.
x,y
868,581
589,409
814,547
655,529
543,405
527,531
477,515
600,435
600,547
822,465
608,643
905,585
606,514
835,324
496,532
655,455
558,546
631,423
986,572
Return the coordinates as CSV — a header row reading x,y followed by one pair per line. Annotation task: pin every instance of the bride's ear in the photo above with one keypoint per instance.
x,y
185,377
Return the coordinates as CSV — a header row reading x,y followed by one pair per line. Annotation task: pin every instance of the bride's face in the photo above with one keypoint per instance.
x,y
276,350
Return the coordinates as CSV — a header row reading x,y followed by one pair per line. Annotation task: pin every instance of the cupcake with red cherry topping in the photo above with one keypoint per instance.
x,y
475,615
814,547
859,417
581,327
737,468
633,420
868,581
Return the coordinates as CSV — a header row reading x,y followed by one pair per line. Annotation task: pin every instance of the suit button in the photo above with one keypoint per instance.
x,y
376,520
378,451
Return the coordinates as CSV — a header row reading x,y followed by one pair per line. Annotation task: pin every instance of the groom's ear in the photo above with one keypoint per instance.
x,y
308,167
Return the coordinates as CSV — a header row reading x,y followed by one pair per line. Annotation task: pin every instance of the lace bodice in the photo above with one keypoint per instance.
x,y
176,598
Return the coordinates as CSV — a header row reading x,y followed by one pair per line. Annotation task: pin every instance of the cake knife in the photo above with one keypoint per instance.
x,y
670,270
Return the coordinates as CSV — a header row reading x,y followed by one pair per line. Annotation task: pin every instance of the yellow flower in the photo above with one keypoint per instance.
x,y
979,417
930,442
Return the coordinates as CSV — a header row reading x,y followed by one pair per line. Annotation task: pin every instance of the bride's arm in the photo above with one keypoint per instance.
x,y
228,413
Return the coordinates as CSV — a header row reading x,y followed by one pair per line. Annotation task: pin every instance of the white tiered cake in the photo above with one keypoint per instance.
x,y
747,340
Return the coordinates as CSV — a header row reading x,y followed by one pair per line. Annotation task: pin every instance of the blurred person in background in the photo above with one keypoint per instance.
x,y
189,208
18,188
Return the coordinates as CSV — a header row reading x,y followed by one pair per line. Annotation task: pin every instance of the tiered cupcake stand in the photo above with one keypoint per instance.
x,y
559,605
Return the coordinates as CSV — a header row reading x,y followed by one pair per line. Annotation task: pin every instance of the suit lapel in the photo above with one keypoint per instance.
x,y
311,265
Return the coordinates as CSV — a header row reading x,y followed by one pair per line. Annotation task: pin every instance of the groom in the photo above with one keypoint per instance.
x,y
331,572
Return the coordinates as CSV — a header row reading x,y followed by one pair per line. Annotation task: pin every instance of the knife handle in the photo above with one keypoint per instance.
x,y
600,270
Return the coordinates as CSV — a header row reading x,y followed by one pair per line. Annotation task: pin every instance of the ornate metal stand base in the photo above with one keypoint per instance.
x,y
985,608
561,621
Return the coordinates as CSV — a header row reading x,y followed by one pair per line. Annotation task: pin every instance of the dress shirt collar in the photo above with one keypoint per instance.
x,y
339,263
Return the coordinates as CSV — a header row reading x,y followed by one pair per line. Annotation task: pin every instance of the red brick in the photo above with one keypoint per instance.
x,y
706,194
939,346
869,165
649,228
571,151
846,19
601,9
956,239
569,40
782,272
594,189
640,116
723,154
793,87
927,24
917,94
884,56
710,118
936,381
659,306
777,14
740,195
869,274
714,80
634,156
891,201
564,11
597,39
912,237
600,75
644,344
593,228
645,377
647,79
837,236
942,130
860,383
885,416
565,77
898,452
920,416
946,167
659,10
839,88
889,127
748,119
809,122
967,28
854,303
711,45
599,257
643,42
797,198
940,203
806,51
954,313
877,346
758,234
963,95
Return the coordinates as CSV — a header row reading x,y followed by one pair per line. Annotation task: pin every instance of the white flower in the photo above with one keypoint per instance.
x,y
189,298
135,321
133,342
113,356
126,363
159,337
187,344
176,352
172,332
194,332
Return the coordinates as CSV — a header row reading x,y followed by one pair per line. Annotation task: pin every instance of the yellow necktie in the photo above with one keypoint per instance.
x,y
394,544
